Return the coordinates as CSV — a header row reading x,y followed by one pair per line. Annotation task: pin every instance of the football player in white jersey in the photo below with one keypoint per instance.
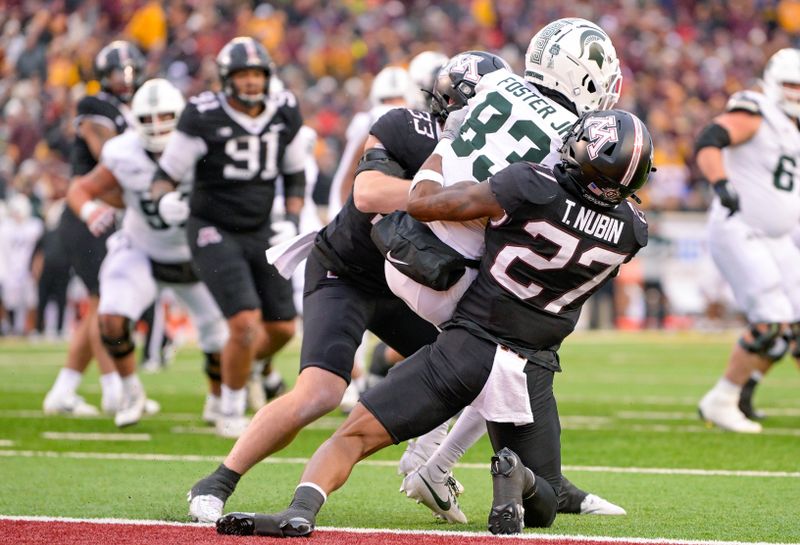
x,y
146,254
571,68
751,155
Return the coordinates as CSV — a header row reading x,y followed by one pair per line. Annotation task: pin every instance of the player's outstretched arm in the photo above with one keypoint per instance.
x,y
463,201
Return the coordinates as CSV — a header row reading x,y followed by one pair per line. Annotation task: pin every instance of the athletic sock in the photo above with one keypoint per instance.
x,y
233,402
219,484
67,381
469,427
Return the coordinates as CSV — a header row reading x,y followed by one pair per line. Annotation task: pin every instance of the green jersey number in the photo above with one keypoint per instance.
x,y
783,177
489,117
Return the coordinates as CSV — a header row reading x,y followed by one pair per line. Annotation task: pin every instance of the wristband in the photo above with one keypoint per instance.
x,y
428,175
87,210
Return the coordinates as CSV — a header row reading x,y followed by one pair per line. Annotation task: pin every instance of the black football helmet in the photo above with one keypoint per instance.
x,y
608,155
242,53
457,79
119,67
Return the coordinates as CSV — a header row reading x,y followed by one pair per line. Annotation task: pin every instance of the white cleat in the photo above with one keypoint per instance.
x,y
231,427
151,407
211,409
723,412
131,411
204,508
349,398
595,505
72,405
439,497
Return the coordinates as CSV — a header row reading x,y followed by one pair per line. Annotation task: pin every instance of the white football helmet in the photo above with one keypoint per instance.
x,y
784,67
423,70
391,82
576,58
156,107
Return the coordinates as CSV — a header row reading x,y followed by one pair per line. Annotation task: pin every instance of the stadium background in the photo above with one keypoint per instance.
x,y
680,59
627,401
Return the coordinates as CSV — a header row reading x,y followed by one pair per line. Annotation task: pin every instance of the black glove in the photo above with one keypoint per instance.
x,y
727,196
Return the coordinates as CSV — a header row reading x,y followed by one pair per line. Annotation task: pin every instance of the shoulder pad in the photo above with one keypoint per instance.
x,y
743,101
544,187
639,224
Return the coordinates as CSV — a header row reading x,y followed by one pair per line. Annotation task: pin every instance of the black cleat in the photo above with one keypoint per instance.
x,y
284,524
507,519
237,524
508,483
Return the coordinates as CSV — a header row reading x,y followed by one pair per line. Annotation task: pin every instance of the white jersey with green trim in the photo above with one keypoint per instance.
x,y
133,168
508,121
765,170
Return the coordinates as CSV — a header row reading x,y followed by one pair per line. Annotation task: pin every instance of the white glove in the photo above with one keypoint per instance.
x,y
173,208
99,218
283,230
452,127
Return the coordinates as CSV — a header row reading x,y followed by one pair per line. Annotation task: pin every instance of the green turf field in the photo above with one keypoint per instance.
x,y
630,434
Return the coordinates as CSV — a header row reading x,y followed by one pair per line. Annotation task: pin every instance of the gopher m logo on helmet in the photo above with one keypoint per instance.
x,y
601,131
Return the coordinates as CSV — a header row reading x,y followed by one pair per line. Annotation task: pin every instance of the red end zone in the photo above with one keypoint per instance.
x,y
42,531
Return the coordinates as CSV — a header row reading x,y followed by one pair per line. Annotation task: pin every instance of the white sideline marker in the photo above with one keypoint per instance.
x,y
390,463
74,436
530,537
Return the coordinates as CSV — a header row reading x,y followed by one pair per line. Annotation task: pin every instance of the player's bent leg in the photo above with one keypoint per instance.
x,y
720,405
359,436
245,335
316,393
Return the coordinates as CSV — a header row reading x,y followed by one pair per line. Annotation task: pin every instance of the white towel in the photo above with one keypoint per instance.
x,y
286,256
504,397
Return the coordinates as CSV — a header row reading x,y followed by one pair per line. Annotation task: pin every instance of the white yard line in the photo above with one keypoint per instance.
x,y
74,436
388,463
530,537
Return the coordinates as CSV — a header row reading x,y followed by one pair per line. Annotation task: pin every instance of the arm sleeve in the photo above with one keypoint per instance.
x,y
181,155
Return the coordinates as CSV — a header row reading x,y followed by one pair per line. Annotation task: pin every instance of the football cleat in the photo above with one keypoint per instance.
x,y
255,393
204,507
439,497
595,505
273,387
211,409
289,523
72,405
722,411
131,410
231,427
508,483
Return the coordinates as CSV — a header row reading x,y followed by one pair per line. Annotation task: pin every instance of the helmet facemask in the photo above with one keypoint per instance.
x,y
782,81
156,107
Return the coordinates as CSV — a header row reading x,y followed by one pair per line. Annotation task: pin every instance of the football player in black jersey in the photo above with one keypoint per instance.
x,y
402,133
345,294
237,142
119,67
507,328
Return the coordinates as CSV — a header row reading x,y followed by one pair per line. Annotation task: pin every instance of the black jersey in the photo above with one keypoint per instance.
x,y
102,108
543,260
240,159
410,137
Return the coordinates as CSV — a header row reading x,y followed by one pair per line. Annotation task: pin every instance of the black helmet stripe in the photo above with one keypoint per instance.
x,y
638,144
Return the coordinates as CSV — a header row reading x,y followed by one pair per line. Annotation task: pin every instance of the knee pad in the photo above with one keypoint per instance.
x,y
122,345
767,341
213,366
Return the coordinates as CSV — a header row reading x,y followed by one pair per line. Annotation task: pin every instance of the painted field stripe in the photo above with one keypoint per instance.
x,y
6,443
391,463
39,414
454,534
75,436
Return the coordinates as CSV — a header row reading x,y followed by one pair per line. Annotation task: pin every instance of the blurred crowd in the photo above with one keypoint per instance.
x,y
681,60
